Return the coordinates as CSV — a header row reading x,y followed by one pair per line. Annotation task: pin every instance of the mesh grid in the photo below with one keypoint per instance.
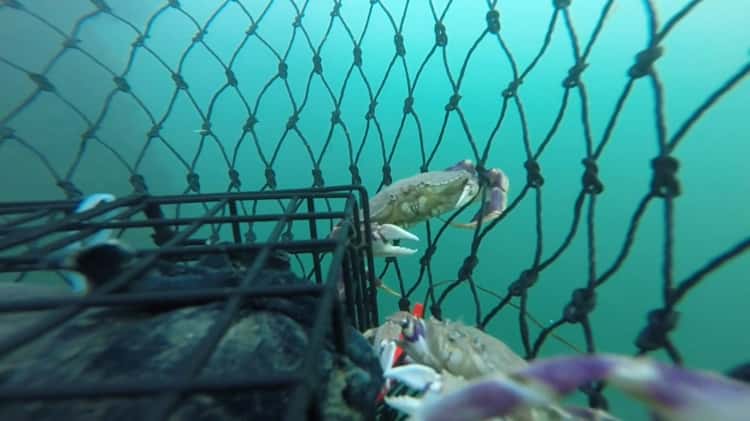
x,y
245,86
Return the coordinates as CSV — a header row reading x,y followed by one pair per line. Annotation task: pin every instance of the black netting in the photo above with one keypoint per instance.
x,y
612,120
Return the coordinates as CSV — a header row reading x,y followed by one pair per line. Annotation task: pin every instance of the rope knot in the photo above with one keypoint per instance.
x,y
271,178
292,122
371,110
250,123
42,83
533,173
654,335
154,131
138,183
590,179
317,64
282,70
582,302
574,75
453,102
441,37
493,21
336,116
428,253
664,183
234,178
408,104
231,78
317,177
357,56
398,40
336,9
179,81
512,88
194,182
644,61
387,179
122,84
467,268
356,179
525,281
404,304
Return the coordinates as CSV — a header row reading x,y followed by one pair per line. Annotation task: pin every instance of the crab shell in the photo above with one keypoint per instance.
x,y
423,196
458,349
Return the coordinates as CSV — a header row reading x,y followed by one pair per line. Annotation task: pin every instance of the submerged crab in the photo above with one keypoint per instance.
x,y
456,348
459,353
466,374
426,195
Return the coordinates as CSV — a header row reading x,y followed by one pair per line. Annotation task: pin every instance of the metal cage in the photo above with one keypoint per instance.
x,y
32,231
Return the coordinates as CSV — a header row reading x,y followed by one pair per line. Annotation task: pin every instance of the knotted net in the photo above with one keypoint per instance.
x,y
619,124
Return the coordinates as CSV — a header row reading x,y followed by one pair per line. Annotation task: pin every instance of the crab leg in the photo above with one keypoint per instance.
x,y
674,393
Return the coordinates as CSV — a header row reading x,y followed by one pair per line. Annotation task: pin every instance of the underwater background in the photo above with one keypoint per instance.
x,y
701,53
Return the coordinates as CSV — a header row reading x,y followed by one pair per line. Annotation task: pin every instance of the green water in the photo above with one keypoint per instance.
x,y
700,54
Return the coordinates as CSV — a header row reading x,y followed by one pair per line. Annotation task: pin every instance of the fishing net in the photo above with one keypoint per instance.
x,y
619,125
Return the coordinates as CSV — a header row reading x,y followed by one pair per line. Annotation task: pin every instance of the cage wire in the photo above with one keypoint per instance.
x,y
267,91
29,239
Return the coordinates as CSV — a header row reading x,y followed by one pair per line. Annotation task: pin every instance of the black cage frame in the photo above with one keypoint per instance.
x,y
28,224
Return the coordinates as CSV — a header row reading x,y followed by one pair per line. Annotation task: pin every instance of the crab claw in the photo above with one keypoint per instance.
x,y
674,393
416,376
383,236
476,400
92,245
495,202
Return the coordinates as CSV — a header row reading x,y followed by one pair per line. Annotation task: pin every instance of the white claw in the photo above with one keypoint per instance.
x,y
77,282
385,249
406,404
416,376
89,203
384,234
394,232
465,198
387,352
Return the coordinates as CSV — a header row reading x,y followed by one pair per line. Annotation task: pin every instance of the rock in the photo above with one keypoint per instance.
x,y
151,344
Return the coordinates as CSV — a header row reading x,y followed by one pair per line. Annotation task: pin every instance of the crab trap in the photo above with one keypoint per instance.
x,y
220,306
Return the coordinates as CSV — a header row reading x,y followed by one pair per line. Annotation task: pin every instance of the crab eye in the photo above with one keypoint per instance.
x,y
407,327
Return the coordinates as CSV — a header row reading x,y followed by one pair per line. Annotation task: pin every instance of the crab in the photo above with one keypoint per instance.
x,y
459,353
430,194
463,373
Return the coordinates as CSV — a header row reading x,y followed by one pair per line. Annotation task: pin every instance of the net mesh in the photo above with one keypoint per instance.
x,y
568,98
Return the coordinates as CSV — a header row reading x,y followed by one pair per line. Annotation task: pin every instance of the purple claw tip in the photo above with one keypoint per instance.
x,y
477,401
676,386
565,374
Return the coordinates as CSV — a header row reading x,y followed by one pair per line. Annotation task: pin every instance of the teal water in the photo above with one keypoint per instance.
x,y
701,53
